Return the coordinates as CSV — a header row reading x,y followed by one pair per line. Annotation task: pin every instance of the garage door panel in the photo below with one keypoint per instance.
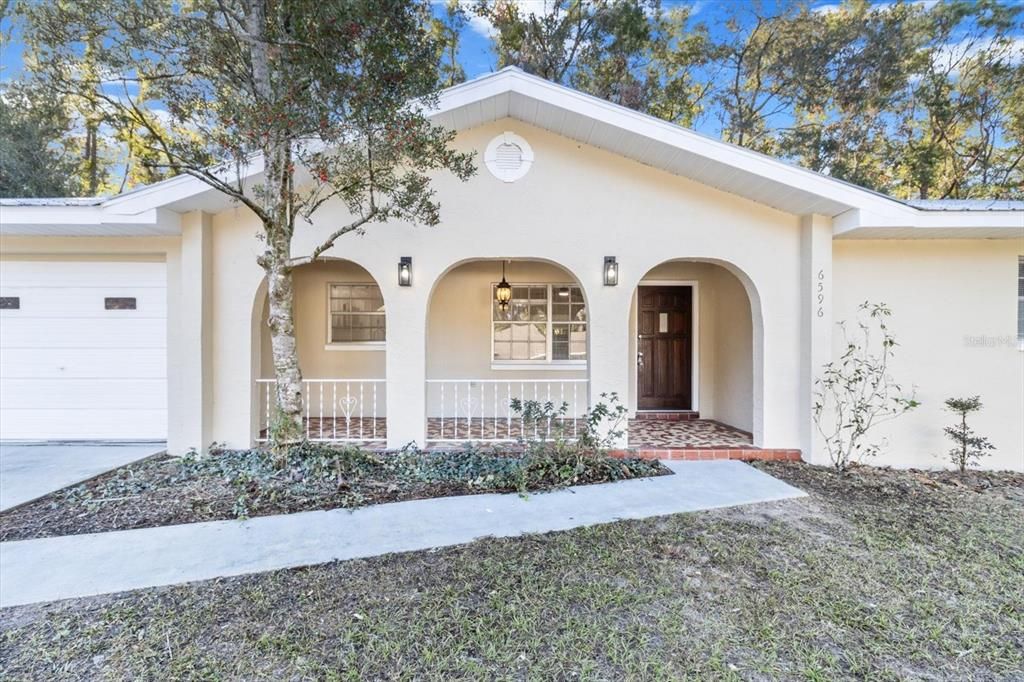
x,y
79,273
77,302
83,424
78,363
68,394
83,333
69,368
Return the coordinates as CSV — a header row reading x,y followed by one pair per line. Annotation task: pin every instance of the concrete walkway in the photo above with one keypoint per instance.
x,y
31,470
82,565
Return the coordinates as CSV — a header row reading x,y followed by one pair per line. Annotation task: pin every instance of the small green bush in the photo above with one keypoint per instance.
x,y
969,447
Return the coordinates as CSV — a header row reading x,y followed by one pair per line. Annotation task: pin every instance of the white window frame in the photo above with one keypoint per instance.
x,y
549,364
331,345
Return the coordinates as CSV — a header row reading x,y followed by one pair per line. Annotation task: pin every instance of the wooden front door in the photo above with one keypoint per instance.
x,y
665,348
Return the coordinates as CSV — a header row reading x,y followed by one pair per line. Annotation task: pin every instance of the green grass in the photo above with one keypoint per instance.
x,y
876,576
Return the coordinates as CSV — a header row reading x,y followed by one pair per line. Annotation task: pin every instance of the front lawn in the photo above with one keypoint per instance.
x,y
879,575
244,483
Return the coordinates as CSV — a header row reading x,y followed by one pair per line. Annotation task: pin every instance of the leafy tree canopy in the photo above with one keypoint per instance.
x,y
919,100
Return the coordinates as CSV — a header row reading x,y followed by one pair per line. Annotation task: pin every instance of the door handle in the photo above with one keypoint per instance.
x,y
639,358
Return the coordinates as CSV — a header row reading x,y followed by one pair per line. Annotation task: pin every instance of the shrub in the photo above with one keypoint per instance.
x,y
857,393
970,447
564,455
596,432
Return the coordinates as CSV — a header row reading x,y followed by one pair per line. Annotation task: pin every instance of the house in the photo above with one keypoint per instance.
x,y
700,281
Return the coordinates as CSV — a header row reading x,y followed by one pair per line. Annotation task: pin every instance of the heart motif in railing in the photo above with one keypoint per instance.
x,y
348,406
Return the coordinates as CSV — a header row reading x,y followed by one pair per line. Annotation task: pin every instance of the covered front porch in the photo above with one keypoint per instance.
x,y
690,331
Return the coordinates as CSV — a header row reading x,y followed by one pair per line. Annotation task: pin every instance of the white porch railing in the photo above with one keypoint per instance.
x,y
333,409
480,409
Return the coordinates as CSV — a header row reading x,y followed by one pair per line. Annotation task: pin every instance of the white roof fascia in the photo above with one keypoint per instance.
x,y
180,188
73,221
862,223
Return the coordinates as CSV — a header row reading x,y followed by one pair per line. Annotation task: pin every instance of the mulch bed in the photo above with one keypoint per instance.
x,y
871,482
230,484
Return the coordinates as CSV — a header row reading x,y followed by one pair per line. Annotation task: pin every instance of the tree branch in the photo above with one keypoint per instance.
x,y
329,242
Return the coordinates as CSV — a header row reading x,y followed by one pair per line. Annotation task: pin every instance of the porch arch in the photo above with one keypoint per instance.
x,y
471,375
724,396
344,377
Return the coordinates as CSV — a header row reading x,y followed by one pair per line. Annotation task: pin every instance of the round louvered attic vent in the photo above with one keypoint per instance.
x,y
508,157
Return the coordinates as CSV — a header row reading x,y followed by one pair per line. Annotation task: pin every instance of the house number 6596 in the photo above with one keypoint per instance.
x,y
821,293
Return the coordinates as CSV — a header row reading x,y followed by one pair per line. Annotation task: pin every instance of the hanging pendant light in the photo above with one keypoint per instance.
x,y
503,292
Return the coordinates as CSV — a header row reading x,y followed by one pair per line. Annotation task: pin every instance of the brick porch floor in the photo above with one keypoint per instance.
x,y
648,438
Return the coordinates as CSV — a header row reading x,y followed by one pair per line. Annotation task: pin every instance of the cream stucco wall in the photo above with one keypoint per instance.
x,y
576,205
954,306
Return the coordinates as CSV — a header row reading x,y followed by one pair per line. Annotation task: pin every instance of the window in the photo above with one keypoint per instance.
x,y
10,303
356,313
119,303
1020,300
544,323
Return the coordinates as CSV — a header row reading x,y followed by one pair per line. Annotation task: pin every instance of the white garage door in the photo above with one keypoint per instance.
x,y
83,350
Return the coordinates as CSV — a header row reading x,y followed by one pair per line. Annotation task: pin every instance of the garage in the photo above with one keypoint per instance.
x,y
83,350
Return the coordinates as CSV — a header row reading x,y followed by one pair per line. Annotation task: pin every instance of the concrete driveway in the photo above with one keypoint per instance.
x,y
28,471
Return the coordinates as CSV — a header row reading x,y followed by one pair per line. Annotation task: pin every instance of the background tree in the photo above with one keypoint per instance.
x,y
322,101
445,30
33,160
957,125
845,72
919,100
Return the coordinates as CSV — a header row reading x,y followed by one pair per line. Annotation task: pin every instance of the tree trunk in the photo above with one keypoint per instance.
x,y
286,427
287,424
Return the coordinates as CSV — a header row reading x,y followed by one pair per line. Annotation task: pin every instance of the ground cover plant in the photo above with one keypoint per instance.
x,y
241,483
877,575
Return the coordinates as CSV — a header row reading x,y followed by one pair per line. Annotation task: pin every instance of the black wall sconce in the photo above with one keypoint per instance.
x,y
611,271
405,271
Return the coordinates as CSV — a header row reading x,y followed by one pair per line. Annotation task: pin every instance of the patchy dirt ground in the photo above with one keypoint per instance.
x,y
235,484
878,575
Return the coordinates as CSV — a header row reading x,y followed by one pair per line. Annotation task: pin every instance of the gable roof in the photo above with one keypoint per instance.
x,y
512,93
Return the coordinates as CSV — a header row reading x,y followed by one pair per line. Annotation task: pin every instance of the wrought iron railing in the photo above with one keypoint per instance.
x,y
481,409
334,410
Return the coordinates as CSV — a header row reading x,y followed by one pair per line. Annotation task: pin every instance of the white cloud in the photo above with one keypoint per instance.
x,y
697,7
826,9
831,7
950,55
483,25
